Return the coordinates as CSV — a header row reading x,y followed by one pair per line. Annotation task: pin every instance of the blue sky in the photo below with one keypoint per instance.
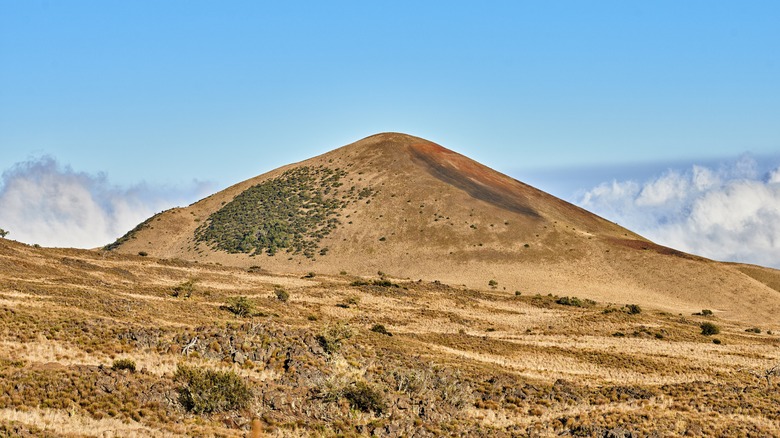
x,y
562,94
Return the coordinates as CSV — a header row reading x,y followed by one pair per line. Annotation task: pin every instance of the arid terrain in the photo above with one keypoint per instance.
x,y
388,288
329,355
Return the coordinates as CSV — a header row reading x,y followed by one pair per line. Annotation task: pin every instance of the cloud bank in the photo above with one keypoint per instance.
x,y
49,204
731,212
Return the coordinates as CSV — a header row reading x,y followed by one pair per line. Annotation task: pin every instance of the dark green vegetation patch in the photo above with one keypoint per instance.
x,y
292,212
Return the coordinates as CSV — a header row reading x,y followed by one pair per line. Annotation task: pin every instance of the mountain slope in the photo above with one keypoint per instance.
x,y
413,209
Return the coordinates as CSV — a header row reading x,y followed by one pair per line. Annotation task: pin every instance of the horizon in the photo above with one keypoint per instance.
x,y
112,112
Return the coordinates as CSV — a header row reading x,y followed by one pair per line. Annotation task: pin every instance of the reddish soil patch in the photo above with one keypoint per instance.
x,y
650,246
477,180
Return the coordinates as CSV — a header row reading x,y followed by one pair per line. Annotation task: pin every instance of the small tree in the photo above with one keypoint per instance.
x,y
3,233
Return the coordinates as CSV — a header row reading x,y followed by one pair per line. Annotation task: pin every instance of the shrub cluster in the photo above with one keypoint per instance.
x,y
575,302
205,391
379,328
708,328
240,306
293,212
123,364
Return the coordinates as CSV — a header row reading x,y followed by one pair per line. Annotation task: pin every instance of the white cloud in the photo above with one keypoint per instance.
x,y
729,213
45,203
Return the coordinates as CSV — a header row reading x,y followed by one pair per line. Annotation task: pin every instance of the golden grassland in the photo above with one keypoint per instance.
x,y
339,355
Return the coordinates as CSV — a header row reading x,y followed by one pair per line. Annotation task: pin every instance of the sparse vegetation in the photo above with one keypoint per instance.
x,y
313,376
492,283
3,233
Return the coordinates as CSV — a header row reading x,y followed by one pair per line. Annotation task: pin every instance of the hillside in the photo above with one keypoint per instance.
x,y
410,208
96,343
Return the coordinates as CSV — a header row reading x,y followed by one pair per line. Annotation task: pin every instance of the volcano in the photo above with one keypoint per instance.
x,y
401,206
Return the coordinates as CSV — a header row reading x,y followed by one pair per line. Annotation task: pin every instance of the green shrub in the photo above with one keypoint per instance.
x,y
240,306
380,283
379,328
281,294
574,302
185,289
363,397
330,340
716,341
143,253
633,309
753,330
492,283
205,391
123,364
706,312
708,328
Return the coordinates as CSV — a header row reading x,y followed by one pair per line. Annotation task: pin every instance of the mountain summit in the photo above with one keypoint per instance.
x,y
410,208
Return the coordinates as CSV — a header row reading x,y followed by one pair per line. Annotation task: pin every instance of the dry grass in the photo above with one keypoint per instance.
x,y
483,363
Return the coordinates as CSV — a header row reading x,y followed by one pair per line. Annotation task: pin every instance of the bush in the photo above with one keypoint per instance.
x,y
633,309
753,330
379,328
240,306
706,312
185,289
574,301
123,364
281,294
143,253
205,391
380,283
492,283
363,397
708,328
330,339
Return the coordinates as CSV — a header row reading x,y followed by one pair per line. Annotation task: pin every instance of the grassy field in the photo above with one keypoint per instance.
x,y
100,344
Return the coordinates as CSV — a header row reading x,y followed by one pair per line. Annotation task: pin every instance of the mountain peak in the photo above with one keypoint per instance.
x,y
407,206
